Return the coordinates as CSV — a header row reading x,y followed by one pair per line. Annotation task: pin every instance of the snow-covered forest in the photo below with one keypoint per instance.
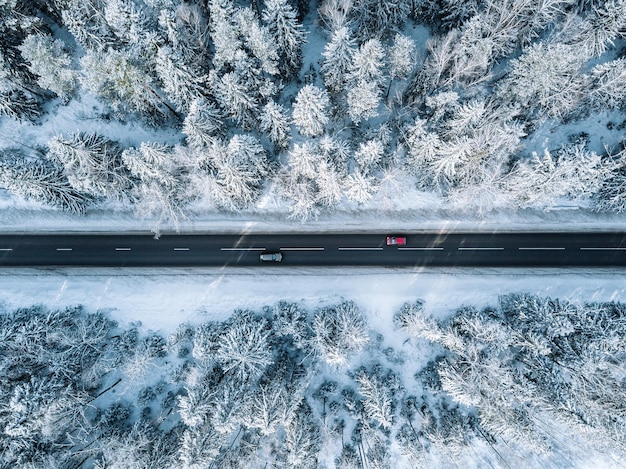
x,y
530,380
485,104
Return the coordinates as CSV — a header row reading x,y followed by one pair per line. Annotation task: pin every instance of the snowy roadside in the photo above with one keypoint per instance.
x,y
18,216
161,299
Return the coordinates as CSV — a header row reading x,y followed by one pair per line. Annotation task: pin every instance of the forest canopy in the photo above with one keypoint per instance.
x,y
289,386
320,103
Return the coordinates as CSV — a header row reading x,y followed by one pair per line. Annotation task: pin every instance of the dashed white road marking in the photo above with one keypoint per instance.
x,y
6,249
242,249
420,249
541,249
603,249
301,249
122,249
360,249
181,249
64,249
480,249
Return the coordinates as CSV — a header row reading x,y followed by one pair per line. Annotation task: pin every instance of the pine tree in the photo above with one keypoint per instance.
x,y
337,59
235,96
239,168
181,85
92,163
126,22
359,187
546,79
203,124
287,33
367,63
51,63
224,32
339,332
609,84
258,40
402,57
310,110
275,122
302,439
42,182
369,155
363,100
18,105
244,349
377,18
378,391
122,84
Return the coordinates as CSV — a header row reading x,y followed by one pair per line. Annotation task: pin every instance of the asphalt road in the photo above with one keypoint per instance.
x,y
422,250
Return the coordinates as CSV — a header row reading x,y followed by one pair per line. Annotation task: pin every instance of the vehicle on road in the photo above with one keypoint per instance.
x,y
396,240
272,257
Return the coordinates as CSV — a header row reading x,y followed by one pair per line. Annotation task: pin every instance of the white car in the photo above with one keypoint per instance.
x,y
272,257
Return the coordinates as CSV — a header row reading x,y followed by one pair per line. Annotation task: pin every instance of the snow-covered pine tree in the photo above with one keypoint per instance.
x,y
243,349
258,40
224,32
203,124
87,23
51,63
302,439
239,169
122,84
274,121
402,57
363,100
234,94
365,78
92,164
18,105
310,110
359,187
338,59
339,332
369,155
378,390
608,89
181,85
368,62
127,22
290,320
200,447
546,79
288,34
41,181
374,17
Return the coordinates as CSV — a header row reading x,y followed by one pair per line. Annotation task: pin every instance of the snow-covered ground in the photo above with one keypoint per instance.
x,y
161,299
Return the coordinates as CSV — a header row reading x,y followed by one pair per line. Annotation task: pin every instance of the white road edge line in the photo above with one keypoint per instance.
x,y
420,249
242,249
541,249
301,249
360,249
64,249
181,249
480,249
603,249
122,249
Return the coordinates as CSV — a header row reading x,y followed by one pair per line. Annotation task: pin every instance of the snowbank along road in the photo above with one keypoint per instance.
x,y
421,249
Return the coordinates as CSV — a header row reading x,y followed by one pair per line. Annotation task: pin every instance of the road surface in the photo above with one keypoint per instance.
x,y
422,250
